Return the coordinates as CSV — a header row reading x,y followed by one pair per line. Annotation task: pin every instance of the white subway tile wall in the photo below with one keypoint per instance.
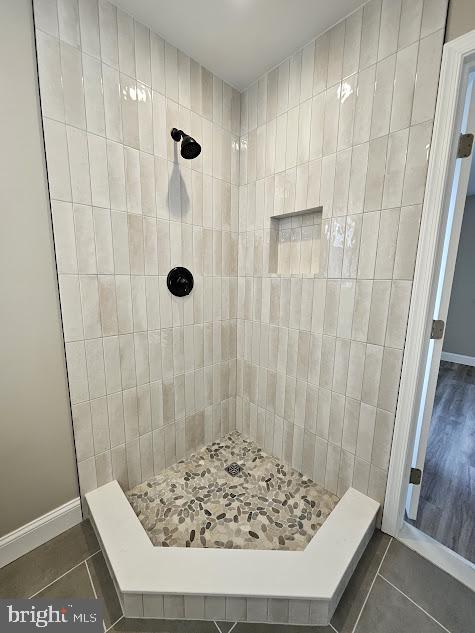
x,y
295,329
344,123
151,376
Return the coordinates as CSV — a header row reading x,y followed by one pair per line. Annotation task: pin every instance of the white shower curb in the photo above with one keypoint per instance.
x,y
301,587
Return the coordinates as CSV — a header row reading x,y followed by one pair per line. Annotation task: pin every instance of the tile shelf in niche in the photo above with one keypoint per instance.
x,y
300,212
294,247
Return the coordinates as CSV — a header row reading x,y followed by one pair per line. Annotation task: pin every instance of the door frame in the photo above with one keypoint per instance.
x,y
458,60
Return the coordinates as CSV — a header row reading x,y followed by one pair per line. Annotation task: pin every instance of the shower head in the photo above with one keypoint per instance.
x,y
189,147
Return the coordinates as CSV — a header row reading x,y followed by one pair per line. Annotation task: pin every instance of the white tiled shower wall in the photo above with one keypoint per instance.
x,y
344,123
151,376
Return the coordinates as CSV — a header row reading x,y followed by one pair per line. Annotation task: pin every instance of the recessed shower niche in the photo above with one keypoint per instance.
x,y
295,238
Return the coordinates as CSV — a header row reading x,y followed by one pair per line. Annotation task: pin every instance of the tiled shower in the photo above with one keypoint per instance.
x,y
299,221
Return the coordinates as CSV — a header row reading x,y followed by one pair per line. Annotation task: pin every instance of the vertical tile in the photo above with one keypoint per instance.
x,y
98,171
89,27
335,53
362,309
316,130
390,375
347,112
295,78
95,368
388,228
92,77
427,73
351,51
49,70
375,175
57,160
389,30
81,414
406,246
383,95
357,185
77,372
370,33
126,43
112,112
395,166
364,105
278,610
90,306
368,248
308,62
79,165
330,129
433,16
108,33
364,442
404,80
321,63
71,307
46,16
410,25
416,164
68,19
130,123
184,78
379,312
143,54
64,237
283,87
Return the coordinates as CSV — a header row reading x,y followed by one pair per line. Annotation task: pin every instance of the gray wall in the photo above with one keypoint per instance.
x,y
460,332
37,468
460,18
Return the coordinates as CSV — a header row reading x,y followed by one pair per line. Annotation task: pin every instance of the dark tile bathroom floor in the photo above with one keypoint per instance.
x,y
393,590
261,504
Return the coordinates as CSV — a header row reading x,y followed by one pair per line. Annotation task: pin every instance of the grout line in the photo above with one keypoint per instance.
x,y
114,623
90,579
217,626
332,627
371,587
414,603
94,591
62,575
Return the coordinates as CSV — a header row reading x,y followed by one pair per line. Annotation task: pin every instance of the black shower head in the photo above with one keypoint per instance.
x,y
189,147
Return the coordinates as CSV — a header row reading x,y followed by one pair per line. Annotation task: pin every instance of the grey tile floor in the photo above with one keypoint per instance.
x,y
393,590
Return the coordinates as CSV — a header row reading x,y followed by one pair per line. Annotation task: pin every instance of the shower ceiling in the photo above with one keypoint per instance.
x,y
238,40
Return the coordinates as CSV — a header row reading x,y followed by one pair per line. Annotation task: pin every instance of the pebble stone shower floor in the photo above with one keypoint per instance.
x,y
265,505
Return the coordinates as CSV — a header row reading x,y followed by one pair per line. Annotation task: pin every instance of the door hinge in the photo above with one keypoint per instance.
x,y
465,145
437,329
415,476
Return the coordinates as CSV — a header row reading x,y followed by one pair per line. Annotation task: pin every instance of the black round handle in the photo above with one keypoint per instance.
x,y
180,281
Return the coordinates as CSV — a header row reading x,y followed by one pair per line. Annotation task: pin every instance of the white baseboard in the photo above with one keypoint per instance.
x,y
39,531
458,358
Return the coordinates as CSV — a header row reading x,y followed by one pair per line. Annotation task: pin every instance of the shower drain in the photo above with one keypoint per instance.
x,y
233,469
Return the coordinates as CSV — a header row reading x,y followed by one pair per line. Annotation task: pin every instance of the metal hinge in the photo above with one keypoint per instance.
x,y
465,145
415,476
437,329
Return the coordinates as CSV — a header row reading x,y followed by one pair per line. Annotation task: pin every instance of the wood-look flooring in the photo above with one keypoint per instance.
x,y
447,502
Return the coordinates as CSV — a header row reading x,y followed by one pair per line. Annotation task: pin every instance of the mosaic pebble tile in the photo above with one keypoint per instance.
x,y
264,504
